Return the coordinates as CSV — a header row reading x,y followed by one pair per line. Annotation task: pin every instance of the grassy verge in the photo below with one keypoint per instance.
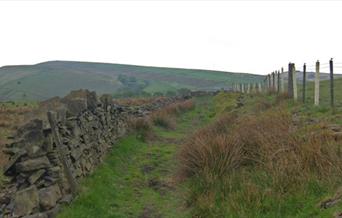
x,y
265,159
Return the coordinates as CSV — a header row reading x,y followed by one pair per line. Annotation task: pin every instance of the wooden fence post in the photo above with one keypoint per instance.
x,y
294,79
265,83
317,78
282,85
278,81
269,83
61,154
304,82
290,82
272,77
331,64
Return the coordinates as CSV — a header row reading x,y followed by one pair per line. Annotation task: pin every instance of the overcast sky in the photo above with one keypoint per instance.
x,y
246,36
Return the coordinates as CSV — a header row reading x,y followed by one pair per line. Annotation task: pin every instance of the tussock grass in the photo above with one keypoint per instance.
x,y
143,128
256,164
166,116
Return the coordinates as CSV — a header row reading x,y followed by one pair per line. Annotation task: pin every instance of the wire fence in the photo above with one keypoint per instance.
x,y
311,84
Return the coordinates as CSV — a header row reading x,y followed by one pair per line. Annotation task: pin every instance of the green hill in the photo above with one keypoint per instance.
x,y
57,78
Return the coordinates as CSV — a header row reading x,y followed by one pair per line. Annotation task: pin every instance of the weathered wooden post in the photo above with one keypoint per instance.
x,y
259,88
265,83
242,87
278,81
248,88
273,81
290,82
331,64
282,80
269,83
304,82
52,118
294,79
317,78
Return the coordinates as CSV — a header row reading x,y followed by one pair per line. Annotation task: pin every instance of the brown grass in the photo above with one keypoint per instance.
x,y
136,101
166,116
143,128
11,117
269,141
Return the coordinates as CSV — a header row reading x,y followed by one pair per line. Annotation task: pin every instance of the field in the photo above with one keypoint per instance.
x,y
231,155
220,160
34,82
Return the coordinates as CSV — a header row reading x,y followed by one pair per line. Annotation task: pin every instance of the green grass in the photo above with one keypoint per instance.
x,y
121,186
324,93
33,82
234,196
163,87
323,112
248,192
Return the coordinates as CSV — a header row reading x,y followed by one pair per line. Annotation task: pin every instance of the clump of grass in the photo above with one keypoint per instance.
x,y
252,158
179,107
163,119
142,127
166,117
225,101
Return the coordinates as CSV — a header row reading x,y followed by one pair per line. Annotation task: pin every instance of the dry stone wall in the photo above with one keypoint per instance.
x,y
49,156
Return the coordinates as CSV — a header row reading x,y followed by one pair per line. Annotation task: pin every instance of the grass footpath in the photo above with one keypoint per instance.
x,y
137,178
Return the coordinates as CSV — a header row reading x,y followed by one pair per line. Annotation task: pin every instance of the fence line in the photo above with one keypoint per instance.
x,y
275,82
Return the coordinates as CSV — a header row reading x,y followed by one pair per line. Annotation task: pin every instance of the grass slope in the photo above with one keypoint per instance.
x,y
260,186
57,78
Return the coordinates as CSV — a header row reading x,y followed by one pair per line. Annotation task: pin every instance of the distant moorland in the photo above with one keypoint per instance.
x,y
57,78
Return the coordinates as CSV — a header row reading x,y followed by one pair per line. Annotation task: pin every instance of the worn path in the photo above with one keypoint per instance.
x,y
137,178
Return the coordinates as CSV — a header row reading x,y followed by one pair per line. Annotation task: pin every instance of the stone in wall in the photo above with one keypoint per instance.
x,y
87,127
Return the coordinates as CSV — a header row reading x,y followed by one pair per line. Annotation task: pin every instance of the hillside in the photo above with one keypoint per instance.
x,y
57,78
232,155
228,155
310,76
